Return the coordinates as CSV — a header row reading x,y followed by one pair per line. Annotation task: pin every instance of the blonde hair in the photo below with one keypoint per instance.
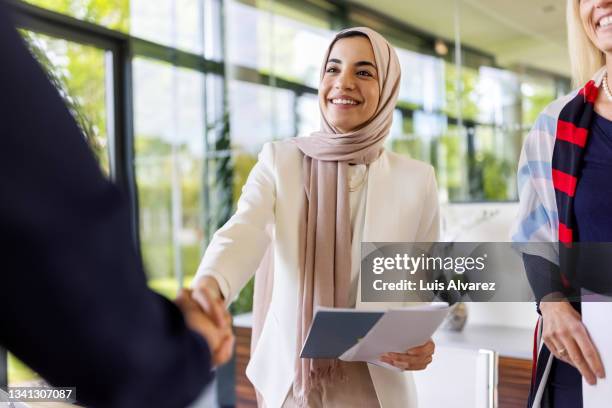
x,y
585,57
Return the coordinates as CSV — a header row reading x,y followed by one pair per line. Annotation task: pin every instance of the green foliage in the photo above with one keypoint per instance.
x,y
451,154
18,372
244,302
535,104
411,147
113,14
468,95
81,83
495,176
243,163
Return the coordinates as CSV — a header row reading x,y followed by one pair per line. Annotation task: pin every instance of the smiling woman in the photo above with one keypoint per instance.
x,y
571,146
322,195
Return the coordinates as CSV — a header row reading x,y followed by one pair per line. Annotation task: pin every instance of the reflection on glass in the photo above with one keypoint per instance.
x,y
169,149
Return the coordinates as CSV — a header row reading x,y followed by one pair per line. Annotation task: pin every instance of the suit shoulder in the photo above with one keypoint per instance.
x,y
282,147
284,154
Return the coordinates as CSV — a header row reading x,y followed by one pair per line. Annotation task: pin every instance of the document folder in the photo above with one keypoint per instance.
x,y
357,335
333,331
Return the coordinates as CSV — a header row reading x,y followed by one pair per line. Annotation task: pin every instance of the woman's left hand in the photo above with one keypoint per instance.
x,y
414,359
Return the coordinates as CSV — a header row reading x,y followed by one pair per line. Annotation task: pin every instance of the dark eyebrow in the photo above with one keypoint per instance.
x,y
357,64
368,63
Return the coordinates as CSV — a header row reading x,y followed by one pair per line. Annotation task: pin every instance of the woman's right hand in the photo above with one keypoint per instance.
x,y
218,334
207,287
568,340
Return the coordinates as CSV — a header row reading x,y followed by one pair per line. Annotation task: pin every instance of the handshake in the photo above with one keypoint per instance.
x,y
205,313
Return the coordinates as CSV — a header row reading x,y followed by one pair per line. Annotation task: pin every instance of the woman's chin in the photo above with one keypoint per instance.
x,y
606,48
604,42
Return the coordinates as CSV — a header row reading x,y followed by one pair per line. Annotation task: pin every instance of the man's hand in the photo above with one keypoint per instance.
x,y
568,340
214,324
414,359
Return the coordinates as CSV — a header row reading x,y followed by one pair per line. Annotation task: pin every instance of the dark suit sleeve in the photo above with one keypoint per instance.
x,y
75,304
545,278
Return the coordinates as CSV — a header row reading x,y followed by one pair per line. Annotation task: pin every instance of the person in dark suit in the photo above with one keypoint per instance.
x,y
74,302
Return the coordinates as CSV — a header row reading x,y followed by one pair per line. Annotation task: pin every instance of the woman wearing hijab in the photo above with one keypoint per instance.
x,y
308,204
565,197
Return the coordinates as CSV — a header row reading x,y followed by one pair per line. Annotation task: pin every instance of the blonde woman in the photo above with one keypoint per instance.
x,y
565,197
321,196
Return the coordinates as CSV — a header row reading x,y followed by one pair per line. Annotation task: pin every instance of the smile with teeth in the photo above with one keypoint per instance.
x,y
605,22
344,102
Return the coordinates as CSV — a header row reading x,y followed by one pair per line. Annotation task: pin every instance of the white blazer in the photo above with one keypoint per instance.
x,y
401,206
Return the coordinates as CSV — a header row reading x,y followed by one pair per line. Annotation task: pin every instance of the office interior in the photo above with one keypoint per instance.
x,y
176,98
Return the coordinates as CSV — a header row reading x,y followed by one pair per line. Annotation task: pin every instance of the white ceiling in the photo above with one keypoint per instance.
x,y
516,32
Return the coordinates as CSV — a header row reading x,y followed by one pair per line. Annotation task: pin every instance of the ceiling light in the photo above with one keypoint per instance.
x,y
440,47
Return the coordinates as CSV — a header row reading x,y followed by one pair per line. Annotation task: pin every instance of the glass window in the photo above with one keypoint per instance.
x,y
422,82
258,114
297,50
450,154
275,44
113,14
309,118
494,163
213,36
169,149
461,93
536,93
79,73
175,23
498,97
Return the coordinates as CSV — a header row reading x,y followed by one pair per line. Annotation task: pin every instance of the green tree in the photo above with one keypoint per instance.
x,y
113,14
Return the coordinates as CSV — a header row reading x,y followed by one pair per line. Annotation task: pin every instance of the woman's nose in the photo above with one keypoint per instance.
x,y
344,81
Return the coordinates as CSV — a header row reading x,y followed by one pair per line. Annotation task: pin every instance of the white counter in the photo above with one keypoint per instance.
x,y
506,341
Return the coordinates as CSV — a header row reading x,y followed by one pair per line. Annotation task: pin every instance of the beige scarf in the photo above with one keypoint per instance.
x,y
325,228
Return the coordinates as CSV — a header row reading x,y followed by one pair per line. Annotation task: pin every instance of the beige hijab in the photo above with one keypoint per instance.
x,y
325,228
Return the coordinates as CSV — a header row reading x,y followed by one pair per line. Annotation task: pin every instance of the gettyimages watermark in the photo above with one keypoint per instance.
x,y
484,271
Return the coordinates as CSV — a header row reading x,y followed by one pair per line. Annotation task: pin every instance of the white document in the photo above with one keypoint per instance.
x,y
596,318
397,331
